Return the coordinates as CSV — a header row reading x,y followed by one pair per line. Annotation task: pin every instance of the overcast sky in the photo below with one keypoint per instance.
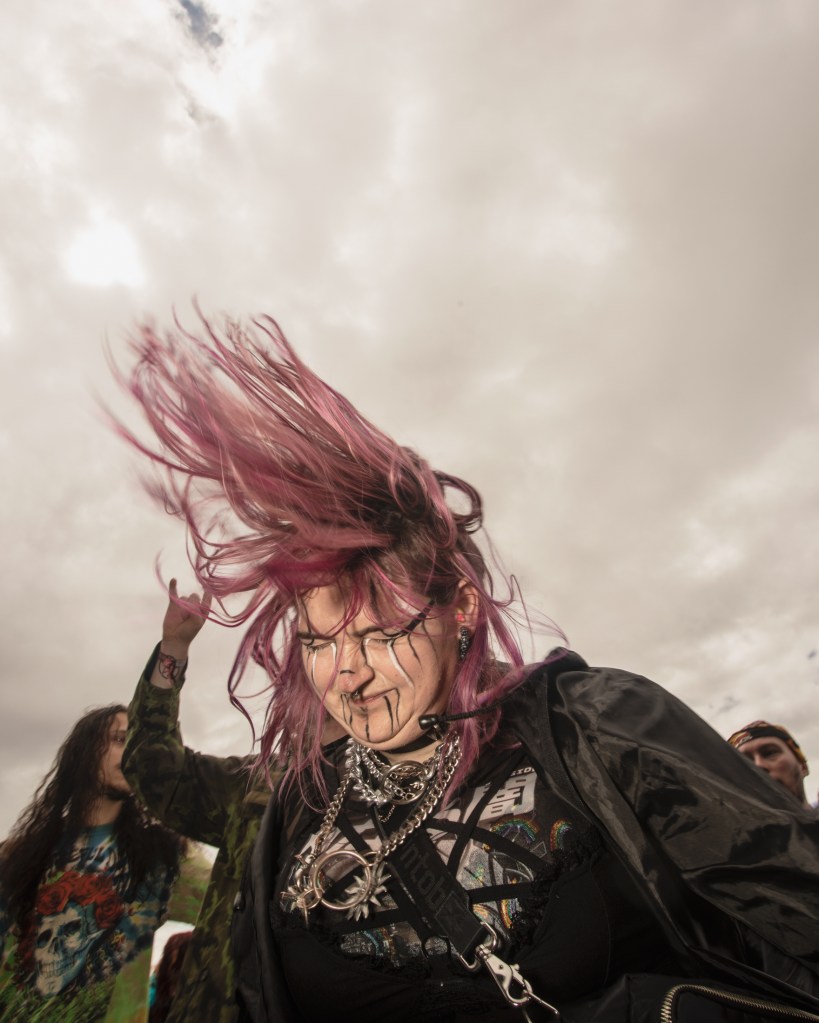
x,y
567,250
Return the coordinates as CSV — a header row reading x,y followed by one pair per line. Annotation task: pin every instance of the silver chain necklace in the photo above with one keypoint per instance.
x,y
310,884
401,783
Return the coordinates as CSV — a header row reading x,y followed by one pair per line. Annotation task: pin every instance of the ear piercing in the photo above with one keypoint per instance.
x,y
464,639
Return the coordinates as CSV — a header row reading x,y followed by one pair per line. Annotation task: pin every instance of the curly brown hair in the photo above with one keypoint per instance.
x,y
60,809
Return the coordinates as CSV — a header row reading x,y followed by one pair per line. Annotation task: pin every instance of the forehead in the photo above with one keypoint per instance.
x,y
119,723
327,608
752,746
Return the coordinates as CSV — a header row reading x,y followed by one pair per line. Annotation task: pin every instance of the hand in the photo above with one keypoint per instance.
x,y
182,622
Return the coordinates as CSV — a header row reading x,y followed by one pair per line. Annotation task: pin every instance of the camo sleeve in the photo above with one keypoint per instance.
x,y
189,792
5,924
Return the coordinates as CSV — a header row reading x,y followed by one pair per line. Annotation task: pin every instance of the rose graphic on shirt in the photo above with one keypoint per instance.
x,y
74,914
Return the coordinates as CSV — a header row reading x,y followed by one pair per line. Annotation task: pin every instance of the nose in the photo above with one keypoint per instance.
x,y
353,668
760,762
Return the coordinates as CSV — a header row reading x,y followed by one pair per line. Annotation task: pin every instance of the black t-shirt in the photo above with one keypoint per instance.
x,y
565,910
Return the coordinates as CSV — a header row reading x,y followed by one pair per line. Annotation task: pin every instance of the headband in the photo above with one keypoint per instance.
x,y
762,730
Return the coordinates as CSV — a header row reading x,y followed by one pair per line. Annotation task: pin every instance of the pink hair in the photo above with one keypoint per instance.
x,y
285,487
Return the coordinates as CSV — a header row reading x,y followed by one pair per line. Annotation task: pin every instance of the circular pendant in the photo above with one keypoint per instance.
x,y
363,890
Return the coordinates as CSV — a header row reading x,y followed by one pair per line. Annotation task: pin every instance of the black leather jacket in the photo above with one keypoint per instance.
x,y
728,860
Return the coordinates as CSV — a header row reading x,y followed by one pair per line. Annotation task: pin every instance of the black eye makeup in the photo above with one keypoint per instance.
x,y
373,636
315,643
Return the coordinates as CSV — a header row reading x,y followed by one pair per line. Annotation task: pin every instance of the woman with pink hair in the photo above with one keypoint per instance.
x,y
456,835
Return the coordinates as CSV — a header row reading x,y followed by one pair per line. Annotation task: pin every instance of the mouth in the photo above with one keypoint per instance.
x,y
363,699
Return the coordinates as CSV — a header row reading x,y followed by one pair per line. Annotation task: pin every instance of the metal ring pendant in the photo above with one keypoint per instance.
x,y
357,898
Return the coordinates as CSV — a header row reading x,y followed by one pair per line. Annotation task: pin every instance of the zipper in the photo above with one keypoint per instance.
x,y
775,1009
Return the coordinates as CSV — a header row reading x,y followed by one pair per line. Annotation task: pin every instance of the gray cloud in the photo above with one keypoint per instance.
x,y
201,24
569,254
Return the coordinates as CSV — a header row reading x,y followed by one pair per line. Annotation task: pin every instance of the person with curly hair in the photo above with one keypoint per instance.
x,y
487,839
85,877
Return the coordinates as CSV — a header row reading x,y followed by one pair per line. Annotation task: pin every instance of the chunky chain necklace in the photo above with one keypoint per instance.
x,y
309,883
400,783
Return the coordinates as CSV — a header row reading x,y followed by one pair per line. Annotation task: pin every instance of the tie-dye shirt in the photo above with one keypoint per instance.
x,y
88,921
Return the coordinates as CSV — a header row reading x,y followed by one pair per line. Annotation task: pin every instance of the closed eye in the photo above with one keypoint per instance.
x,y
386,638
315,645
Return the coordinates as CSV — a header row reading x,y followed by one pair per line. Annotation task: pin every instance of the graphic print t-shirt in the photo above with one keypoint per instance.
x,y
86,924
513,845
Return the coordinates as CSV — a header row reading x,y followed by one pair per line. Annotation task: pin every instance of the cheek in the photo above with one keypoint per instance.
x,y
400,663
319,667
417,665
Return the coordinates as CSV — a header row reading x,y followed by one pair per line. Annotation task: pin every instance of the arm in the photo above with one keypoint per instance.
x,y
181,625
189,792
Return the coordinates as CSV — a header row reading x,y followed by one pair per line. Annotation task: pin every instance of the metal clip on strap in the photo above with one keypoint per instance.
x,y
514,987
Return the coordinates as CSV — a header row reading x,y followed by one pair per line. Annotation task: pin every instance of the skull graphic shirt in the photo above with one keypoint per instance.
x,y
87,922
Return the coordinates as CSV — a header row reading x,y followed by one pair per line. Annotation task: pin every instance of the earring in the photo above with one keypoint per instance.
x,y
464,639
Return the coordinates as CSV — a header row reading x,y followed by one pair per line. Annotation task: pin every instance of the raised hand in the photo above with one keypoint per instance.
x,y
183,621
184,617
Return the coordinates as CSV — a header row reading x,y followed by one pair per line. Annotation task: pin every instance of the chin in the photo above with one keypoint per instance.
x,y
377,738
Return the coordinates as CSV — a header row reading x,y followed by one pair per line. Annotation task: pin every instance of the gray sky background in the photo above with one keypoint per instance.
x,y
568,250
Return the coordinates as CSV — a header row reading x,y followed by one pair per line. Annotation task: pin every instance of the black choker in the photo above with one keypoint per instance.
x,y
416,744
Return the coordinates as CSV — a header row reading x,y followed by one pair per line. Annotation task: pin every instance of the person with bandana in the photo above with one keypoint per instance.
x,y
774,750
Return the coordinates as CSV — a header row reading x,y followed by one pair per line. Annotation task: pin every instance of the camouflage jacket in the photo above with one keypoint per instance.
x,y
206,799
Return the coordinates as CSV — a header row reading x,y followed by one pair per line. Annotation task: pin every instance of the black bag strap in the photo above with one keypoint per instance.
x,y
443,903
438,896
